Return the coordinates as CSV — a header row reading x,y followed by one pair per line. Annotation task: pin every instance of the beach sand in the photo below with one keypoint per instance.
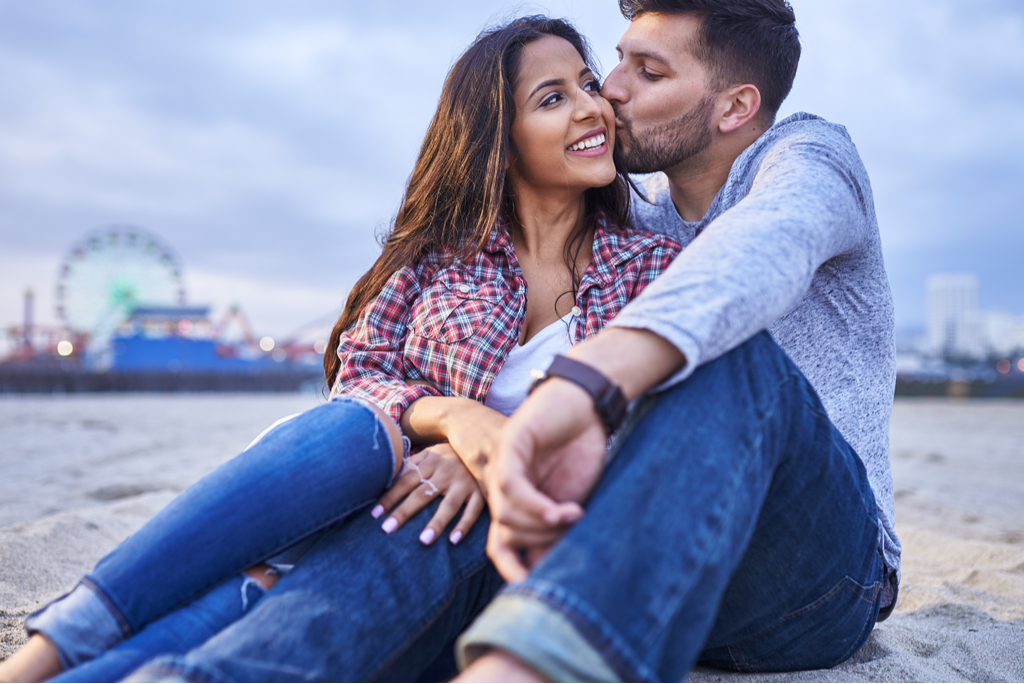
x,y
80,473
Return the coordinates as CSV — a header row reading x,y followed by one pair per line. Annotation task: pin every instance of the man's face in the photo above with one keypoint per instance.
x,y
663,106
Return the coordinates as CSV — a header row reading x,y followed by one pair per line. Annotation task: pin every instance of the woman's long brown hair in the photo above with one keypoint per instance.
x,y
457,190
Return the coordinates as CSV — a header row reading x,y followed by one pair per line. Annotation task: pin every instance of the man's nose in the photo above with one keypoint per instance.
x,y
613,89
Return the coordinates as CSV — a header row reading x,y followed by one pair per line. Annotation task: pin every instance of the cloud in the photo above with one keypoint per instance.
x,y
268,143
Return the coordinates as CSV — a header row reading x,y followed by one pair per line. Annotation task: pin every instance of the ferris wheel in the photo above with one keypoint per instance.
x,y
112,270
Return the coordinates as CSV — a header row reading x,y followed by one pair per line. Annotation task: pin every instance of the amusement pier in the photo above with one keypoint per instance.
x,y
125,326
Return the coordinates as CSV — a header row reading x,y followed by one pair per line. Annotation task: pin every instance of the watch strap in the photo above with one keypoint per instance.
x,y
609,401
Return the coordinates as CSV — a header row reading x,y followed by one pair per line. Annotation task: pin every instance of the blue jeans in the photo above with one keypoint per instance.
x,y
177,632
735,526
301,478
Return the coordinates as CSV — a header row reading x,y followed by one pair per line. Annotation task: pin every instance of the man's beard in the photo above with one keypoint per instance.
x,y
667,145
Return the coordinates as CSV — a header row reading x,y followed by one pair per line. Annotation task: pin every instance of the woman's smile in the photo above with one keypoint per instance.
x,y
592,144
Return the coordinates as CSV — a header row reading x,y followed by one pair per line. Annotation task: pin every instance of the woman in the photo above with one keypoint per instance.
x,y
509,246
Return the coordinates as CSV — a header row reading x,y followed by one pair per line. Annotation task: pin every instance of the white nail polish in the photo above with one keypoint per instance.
x,y
377,511
456,537
390,525
427,536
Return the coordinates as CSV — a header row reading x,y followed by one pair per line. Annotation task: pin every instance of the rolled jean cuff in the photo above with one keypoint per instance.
x,y
537,634
79,624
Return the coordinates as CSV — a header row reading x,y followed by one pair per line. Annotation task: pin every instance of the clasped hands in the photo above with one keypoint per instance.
x,y
549,461
535,469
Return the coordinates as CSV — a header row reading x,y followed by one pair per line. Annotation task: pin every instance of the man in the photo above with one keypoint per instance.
x,y
735,525
736,522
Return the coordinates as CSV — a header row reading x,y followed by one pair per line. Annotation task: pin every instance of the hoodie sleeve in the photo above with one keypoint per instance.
x,y
753,264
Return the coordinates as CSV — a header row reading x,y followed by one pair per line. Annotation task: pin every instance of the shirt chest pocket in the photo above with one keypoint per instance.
x,y
454,307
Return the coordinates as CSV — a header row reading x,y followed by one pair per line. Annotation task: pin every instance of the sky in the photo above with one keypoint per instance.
x,y
269,143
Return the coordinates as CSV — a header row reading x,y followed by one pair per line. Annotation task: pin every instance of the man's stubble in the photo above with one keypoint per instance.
x,y
667,145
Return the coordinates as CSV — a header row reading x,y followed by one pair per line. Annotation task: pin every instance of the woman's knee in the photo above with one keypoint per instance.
x,y
394,435
332,423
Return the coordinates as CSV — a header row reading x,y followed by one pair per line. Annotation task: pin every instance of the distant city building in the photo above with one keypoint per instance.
x,y
958,328
954,321
1003,334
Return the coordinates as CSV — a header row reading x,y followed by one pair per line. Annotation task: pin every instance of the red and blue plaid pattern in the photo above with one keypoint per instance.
x,y
450,323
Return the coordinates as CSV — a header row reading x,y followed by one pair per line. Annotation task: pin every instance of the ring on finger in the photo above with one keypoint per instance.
x,y
415,466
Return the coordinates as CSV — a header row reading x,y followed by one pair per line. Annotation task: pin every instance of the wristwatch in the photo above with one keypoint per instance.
x,y
609,402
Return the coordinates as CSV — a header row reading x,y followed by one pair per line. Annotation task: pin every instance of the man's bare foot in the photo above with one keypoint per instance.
x,y
499,666
36,661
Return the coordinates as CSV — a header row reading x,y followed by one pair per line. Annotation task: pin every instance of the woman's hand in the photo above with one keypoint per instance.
x,y
472,429
435,471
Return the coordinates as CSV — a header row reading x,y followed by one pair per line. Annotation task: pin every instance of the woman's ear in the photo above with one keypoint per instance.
x,y
511,159
741,104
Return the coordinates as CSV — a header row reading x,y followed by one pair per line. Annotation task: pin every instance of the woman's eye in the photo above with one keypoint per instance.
x,y
592,86
550,99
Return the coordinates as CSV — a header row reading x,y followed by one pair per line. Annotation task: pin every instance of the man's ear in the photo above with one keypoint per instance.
x,y
741,104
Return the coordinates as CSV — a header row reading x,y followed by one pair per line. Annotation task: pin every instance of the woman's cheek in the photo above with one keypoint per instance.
x,y
608,113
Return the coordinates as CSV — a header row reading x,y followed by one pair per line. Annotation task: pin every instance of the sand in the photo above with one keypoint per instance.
x,y
80,473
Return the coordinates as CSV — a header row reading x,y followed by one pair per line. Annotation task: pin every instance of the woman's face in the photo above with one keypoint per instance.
x,y
563,131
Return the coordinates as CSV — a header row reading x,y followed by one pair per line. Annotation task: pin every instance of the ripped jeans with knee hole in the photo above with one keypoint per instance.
x,y
179,579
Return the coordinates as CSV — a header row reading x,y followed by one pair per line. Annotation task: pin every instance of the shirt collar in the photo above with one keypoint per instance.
x,y
500,239
602,266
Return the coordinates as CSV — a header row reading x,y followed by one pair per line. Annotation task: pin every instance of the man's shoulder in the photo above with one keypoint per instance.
x,y
802,132
804,124
802,151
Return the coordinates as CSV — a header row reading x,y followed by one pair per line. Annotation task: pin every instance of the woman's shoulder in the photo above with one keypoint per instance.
x,y
410,279
449,265
624,243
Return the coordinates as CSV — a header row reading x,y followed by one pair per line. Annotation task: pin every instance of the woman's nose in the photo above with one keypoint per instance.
x,y
587,106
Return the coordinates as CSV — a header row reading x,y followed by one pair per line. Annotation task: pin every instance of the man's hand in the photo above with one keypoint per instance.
x,y
551,458
553,448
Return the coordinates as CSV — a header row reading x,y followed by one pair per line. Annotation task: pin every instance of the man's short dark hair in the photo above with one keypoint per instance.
x,y
741,41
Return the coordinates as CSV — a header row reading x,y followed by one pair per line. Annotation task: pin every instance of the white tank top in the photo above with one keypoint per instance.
x,y
510,385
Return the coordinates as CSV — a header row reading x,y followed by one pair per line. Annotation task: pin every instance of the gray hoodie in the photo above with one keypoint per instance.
x,y
790,244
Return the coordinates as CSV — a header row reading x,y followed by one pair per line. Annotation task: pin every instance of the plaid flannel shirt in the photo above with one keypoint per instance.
x,y
451,322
